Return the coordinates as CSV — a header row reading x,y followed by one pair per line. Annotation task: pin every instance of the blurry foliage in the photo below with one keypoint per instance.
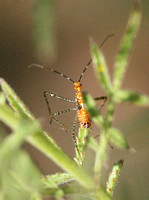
x,y
43,28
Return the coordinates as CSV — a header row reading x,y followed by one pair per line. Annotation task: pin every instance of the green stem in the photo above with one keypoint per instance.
x,y
101,155
110,113
42,142
100,158
8,116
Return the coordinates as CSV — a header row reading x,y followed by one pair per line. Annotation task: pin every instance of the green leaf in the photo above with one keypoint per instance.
x,y
101,69
117,138
15,163
52,181
113,177
82,140
132,97
19,177
15,101
23,170
126,45
93,109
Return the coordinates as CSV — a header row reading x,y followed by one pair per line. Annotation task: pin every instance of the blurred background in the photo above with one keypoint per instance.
x,y
57,34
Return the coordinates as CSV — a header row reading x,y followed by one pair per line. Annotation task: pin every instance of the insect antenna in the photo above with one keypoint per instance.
x,y
51,70
86,67
108,36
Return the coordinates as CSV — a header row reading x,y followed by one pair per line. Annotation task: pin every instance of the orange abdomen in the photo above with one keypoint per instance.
x,y
84,118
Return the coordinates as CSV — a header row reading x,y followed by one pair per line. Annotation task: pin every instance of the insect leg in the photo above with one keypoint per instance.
x,y
103,100
73,132
47,94
63,111
64,127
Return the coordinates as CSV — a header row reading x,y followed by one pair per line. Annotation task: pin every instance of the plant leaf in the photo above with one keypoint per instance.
x,y
117,138
126,45
82,141
113,177
132,97
52,181
101,69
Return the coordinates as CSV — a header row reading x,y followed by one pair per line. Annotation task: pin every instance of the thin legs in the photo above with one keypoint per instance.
x,y
103,100
53,115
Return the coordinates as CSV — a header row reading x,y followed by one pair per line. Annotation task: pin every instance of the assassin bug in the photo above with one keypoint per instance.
x,y
83,116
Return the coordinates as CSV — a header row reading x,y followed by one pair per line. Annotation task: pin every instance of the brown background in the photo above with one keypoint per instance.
x,y
75,22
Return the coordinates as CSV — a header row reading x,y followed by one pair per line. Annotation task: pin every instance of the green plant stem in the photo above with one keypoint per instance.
x,y
101,155
59,157
82,141
110,113
8,116
100,158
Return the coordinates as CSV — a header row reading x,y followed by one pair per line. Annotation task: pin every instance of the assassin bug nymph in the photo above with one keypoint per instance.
x,y
83,116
